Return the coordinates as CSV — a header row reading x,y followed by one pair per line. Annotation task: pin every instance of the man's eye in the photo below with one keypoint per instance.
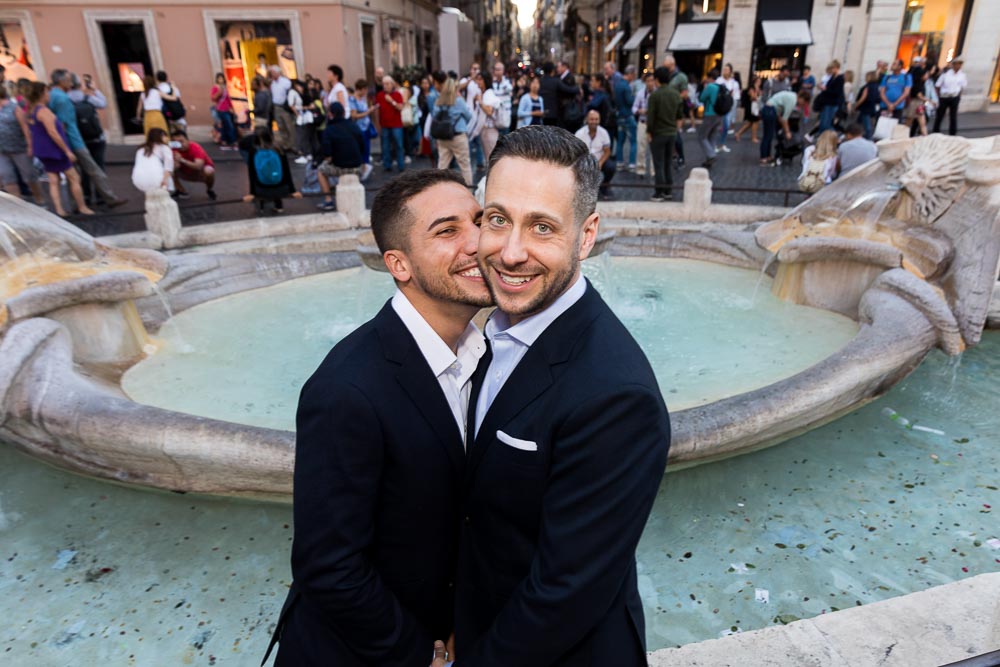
x,y
497,220
542,228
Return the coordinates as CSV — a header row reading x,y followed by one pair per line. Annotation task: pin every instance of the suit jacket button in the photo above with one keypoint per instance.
x,y
467,521
451,584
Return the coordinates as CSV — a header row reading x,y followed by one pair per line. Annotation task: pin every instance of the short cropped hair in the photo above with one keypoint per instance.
x,y
162,77
391,219
338,71
58,76
662,74
547,143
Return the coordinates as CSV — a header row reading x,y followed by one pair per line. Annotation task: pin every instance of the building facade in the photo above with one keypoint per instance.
x,y
119,41
759,36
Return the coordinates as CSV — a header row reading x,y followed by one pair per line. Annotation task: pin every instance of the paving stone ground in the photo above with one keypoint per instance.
x,y
737,170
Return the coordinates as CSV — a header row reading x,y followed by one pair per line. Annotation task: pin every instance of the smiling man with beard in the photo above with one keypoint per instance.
x,y
380,446
571,432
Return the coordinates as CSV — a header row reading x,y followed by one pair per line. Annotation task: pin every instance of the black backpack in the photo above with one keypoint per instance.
x,y
87,121
173,109
441,126
723,101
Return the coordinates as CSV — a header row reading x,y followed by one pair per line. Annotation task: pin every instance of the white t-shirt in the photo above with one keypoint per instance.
x,y
952,83
339,94
167,89
491,100
734,88
471,91
597,143
151,100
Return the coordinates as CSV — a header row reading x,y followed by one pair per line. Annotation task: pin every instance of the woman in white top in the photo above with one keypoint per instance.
x,y
151,107
154,163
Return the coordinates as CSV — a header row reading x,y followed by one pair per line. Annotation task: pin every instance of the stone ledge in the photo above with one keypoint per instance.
x,y
933,627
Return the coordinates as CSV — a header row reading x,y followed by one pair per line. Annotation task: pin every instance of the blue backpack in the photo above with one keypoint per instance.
x,y
267,164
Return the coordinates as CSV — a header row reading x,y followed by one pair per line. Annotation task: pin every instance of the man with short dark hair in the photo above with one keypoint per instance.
x,y
86,101
950,85
380,446
569,436
338,91
664,110
341,152
854,150
192,164
569,105
62,106
621,89
895,89
711,122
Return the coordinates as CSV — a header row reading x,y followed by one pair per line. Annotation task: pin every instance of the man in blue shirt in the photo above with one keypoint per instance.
x,y
895,90
627,124
62,106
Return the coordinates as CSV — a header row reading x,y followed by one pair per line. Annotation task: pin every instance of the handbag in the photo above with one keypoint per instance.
x,y
884,128
370,131
305,118
407,115
441,126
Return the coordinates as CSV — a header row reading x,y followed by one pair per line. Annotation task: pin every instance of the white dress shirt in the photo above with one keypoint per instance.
x,y
511,343
952,83
453,371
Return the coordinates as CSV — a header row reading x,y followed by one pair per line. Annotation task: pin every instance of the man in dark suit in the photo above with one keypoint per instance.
x,y
556,92
571,432
380,448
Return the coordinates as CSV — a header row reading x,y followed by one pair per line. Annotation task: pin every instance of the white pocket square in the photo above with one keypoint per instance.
x,y
517,443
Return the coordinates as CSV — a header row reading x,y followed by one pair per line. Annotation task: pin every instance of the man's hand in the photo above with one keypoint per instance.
x,y
440,654
248,198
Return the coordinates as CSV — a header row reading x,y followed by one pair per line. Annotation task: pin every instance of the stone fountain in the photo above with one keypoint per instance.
x,y
907,245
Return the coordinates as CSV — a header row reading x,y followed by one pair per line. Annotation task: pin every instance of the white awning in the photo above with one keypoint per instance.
x,y
693,36
636,39
614,41
786,33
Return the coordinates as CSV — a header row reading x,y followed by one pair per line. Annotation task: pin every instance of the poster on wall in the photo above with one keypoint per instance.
x,y
14,53
248,49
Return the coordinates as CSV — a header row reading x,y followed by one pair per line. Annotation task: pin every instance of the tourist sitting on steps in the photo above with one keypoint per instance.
x,y
191,163
270,175
342,148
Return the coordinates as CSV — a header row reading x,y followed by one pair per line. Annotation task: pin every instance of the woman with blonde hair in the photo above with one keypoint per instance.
x,y
819,163
151,106
450,117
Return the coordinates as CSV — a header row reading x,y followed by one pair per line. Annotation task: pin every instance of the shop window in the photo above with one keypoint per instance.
x,y
852,3
248,49
931,30
14,53
701,10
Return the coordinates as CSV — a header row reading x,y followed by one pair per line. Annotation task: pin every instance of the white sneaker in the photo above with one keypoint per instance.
x,y
407,160
302,159
724,149
631,167
732,131
366,171
690,129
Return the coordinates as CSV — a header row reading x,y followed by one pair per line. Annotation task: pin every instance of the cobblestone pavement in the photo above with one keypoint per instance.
x,y
737,170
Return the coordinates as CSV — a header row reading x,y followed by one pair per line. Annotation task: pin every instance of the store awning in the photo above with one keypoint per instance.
x,y
614,41
786,33
693,36
636,39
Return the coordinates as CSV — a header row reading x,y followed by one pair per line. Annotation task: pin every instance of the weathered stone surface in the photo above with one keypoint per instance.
x,y
104,287
993,320
934,627
258,228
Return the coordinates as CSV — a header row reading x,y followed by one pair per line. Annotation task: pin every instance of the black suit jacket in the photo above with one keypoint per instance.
x,y
557,93
546,572
377,469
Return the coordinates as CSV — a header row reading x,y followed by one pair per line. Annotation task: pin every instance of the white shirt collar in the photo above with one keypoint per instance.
x,y
437,353
529,329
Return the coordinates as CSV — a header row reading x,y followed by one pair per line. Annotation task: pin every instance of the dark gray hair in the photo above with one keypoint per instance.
x,y
59,75
547,143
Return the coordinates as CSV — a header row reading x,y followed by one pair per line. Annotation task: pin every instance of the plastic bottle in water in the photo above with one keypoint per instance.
x,y
896,417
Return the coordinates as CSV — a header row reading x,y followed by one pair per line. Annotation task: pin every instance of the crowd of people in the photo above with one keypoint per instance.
x,y
627,121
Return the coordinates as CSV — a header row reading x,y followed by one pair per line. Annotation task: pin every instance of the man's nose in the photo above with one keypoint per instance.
x,y
514,251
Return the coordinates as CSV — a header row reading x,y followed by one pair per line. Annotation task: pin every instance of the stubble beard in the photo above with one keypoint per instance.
x,y
553,285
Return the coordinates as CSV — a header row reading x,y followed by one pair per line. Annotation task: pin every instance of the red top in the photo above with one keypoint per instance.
x,y
196,152
389,115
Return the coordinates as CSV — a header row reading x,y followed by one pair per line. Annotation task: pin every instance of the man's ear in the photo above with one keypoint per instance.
x,y
588,235
398,264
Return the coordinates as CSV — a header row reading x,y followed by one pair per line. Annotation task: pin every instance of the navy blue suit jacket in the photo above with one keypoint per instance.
x,y
378,466
546,572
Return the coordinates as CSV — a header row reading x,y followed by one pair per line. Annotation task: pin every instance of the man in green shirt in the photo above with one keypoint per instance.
x,y
679,82
663,111
776,112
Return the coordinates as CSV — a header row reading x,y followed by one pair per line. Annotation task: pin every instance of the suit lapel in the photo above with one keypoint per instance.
x,y
533,375
415,376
